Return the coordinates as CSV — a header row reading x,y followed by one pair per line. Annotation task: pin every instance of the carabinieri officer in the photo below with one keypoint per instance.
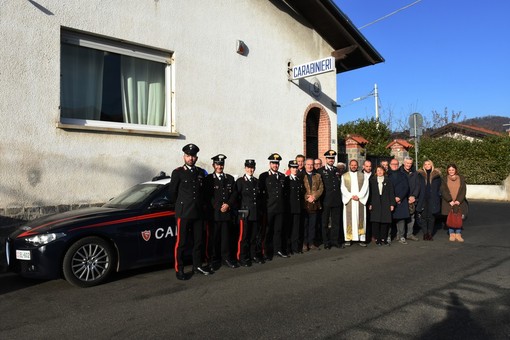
x,y
221,196
249,201
186,191
272,184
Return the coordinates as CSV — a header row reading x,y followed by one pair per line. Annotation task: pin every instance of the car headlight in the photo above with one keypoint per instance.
x,y
42,239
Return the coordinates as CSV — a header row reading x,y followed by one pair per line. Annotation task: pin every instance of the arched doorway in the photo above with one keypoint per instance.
x,y
312,133
317,131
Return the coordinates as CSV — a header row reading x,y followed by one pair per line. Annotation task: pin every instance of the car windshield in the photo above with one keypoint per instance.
x,y
133,197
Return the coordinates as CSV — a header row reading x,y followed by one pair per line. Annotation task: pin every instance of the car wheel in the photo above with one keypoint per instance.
x,y
88,262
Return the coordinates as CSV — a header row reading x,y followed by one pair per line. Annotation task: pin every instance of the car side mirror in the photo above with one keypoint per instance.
x,y
159,204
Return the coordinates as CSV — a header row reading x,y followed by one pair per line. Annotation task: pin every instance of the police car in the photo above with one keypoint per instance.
x,y
85,246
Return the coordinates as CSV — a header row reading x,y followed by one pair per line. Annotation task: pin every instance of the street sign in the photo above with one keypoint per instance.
x,y
415,125
313,68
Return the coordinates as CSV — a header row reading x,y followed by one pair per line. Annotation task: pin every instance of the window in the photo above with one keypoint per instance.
x,y
107,84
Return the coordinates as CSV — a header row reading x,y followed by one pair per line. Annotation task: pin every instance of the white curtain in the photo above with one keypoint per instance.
x,y
82,82
143,91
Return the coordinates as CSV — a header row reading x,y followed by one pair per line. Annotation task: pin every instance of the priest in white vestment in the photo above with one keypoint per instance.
x,y
354,190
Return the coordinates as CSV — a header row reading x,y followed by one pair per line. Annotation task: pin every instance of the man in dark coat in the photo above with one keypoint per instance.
x,y
221,194
249,201
272,184
331,202
414,195
186,192
401,189
295,194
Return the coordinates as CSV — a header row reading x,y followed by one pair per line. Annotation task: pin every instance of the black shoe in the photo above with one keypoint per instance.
x,y
202,270
258,260
327,246
362,244
230,264
268,258
281,254
379,243
245,263
215,266
180,275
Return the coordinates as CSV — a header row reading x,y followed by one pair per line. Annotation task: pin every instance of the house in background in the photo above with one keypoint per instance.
x,y
463,131
100,95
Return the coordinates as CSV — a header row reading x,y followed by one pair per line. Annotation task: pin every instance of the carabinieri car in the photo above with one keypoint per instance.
x,y
85,246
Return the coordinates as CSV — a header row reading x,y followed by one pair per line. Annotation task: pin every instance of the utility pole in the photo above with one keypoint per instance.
x,y
376,96
374,93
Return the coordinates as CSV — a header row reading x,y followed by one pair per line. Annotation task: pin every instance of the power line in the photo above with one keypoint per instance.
x,y
388,15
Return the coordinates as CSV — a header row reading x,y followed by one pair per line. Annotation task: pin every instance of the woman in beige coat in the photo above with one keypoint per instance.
x,y
453,193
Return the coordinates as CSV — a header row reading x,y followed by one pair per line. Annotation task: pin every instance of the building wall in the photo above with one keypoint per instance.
x,y
242,106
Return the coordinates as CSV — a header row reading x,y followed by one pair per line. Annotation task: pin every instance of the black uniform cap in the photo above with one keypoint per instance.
x,y
293,164
330,154
249,163
276,158
219,159
190,149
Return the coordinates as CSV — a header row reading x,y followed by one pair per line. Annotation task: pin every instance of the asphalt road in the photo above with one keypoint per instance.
x,y
423,290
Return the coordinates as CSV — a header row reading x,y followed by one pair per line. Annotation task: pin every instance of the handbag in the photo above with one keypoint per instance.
x,y
454,219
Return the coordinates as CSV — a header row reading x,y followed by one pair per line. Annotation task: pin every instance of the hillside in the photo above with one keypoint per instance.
x,y
494,123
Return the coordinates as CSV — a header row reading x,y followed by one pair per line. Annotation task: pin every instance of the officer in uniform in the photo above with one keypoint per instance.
x,y
272,184
186,192
249,203
221,195
295,194
332,202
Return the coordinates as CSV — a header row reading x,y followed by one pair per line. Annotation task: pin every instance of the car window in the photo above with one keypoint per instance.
x,y
133,197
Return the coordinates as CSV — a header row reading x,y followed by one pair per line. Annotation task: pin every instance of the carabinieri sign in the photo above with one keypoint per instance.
x,y
313,68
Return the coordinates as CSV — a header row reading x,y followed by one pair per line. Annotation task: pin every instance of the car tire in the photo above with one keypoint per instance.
x,y
88,262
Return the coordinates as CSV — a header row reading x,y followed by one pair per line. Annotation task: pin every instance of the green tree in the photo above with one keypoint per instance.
x,y
377,134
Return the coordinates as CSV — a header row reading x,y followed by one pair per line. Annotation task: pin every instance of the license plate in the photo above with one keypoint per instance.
x,y
23,254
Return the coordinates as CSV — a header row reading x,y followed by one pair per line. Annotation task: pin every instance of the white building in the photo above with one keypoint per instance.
x,y
99,95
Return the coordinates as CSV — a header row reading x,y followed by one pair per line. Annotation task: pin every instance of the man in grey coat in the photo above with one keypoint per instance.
x,y
414,194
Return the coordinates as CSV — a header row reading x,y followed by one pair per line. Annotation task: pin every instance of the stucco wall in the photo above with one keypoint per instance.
x,y
242,106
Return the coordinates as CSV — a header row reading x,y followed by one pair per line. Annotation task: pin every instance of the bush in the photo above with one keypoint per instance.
x,y
480,162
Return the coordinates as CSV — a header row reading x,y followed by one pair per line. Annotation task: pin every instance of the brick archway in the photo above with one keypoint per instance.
x,y
316,131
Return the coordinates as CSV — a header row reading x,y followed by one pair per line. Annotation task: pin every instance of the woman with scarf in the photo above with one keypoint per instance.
x,y
430,204
381,203
453,193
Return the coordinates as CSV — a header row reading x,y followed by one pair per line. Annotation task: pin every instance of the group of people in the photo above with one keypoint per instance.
x,y
251,220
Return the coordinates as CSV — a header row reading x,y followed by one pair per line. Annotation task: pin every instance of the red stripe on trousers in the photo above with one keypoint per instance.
x,y
177,244
241,228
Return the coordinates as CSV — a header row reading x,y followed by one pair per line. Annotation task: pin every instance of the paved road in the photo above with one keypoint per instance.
x,y
425,290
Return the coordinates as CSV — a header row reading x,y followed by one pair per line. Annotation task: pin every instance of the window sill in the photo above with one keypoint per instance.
x,y
117,130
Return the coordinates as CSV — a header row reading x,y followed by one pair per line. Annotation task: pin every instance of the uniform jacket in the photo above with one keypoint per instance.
x,y
447,197
187,192
431,193
248,192
219,192
331,182
381,202
273,192
401,189
294,194
316,189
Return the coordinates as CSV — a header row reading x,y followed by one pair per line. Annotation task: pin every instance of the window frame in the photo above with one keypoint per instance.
x,y
84,39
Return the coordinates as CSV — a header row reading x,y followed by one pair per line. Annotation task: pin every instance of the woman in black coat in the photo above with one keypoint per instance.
x,y
429,204
381,203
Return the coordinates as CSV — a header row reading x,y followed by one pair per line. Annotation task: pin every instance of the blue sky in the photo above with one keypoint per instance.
x,y
439,53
